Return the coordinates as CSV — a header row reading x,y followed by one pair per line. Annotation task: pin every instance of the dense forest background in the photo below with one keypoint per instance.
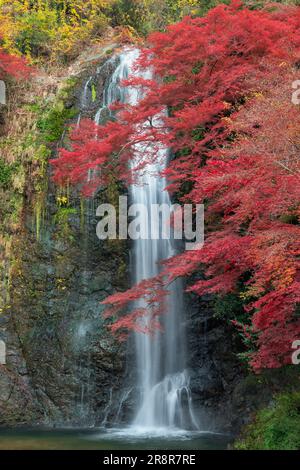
x,y
56,31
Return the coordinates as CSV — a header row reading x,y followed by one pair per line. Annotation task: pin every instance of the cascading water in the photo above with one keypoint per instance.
x,y
112,91
163,381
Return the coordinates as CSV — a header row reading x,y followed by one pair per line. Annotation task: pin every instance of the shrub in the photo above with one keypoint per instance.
x,y
276,427
52,123
5,173
37,30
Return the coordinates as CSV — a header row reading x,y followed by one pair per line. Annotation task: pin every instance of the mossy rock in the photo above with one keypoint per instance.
x,y
276,427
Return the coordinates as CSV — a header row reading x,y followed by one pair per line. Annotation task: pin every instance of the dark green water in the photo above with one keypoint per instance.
x,y
71,439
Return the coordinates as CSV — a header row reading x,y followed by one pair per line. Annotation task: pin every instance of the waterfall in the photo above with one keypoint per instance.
x,y
165,397
112,91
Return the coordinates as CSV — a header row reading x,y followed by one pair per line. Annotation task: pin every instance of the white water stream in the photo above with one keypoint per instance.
x,y
165,398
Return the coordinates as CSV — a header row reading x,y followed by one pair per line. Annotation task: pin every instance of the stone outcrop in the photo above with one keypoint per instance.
x,y
62,363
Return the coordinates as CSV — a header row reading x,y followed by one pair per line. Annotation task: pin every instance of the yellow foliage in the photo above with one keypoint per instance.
x,y
56,30
48,28
62,200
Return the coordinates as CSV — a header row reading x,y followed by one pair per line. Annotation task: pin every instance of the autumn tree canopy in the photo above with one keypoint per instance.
x,y
12,65
226,80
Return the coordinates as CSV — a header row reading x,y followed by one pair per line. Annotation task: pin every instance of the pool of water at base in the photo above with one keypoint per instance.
x,y
109,439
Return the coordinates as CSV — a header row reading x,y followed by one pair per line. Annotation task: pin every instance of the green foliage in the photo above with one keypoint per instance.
x,y
276,427
62,215
5,173
230,306
54,116
198,133
147,15
169,78
52,123
62,219
51,120
94,93
197,67
42,122
52,30
36,32
128,12
205,5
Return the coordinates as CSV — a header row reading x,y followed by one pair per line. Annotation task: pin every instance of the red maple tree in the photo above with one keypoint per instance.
x,y
226,81
12,65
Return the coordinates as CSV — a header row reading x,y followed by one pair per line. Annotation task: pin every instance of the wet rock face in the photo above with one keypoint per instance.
x,y
63,366
224,394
